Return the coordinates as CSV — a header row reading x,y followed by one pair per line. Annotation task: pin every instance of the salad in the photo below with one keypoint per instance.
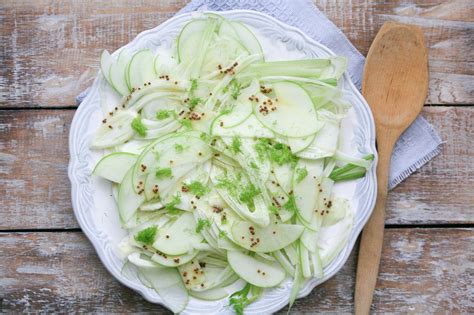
x,y
223,164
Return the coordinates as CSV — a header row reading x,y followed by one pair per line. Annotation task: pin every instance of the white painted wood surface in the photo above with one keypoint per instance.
x,y
42,39
60,272
49,53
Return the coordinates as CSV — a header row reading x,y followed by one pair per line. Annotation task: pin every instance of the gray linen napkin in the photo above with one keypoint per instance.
x,y
417,145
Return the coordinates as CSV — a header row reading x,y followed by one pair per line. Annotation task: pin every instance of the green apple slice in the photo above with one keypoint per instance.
x,y
256,271
300,144
141,68
114,166
117,73
265,239
128,200
248,38
249,128
306,178
106,61
178,237
294,114
173,260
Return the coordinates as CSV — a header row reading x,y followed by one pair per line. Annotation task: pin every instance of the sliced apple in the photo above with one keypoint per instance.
x,y
128,200
173,260
265,239
117,73
256,271
290,114
178,237
141,68
305,186
114,166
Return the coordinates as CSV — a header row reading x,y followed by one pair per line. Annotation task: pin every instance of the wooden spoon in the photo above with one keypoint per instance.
x,y
395,84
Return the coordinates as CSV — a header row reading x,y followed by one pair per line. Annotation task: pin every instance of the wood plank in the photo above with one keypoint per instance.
x,y
36,191
448,27
443,188
40,273
34,154
421,272
51,49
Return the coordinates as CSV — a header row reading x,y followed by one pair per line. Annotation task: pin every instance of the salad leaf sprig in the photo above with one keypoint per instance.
x,y
240,299
350,171
275,152
147,236
139,127
171,206
201,224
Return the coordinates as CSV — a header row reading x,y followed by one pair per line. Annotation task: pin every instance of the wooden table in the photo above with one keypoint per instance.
x,y
49,52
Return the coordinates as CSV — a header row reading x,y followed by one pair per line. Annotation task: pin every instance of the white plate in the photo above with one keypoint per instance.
x,y
92,200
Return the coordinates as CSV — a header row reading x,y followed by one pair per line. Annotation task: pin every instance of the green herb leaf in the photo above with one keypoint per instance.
x,y
301,174
163,173
178,148
147,236
201,224
240,299
262,146
205,137
248,194
273,209
171,206
349,171
163,114
282,154
194,86
291,204
139,127
235,89
193,102
229,184
227,109
197,188
253,165
348,174
186,123
235,145
275,152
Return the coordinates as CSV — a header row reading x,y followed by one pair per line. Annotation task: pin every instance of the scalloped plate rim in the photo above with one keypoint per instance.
x,y
98,245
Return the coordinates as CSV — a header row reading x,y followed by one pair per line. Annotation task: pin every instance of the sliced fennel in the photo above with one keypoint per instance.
x,y
223,164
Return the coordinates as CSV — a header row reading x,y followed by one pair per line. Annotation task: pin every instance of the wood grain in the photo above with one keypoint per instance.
x,y
420,273
395,85
60,272
34,187
49,53
443,188
50,49
36,193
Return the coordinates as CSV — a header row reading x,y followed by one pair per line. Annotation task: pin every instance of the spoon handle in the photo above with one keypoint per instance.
x,y
372,237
